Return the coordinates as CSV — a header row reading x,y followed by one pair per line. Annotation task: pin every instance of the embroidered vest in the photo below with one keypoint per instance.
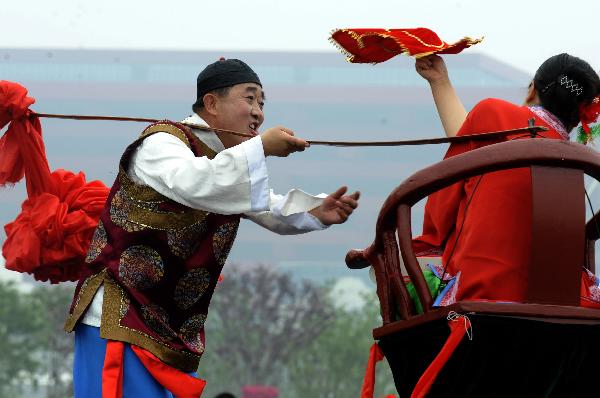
x,y
159,262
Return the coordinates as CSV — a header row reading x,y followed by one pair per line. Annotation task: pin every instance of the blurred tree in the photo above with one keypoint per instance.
x,y
19,324
334,364
55,347
259,320
264,328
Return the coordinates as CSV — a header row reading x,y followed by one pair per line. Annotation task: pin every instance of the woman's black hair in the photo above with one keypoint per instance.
x,y
564,82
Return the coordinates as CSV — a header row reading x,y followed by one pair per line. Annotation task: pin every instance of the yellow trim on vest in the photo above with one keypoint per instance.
x,y
114,308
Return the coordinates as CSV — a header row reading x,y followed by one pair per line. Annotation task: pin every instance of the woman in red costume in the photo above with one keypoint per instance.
x,y
488,259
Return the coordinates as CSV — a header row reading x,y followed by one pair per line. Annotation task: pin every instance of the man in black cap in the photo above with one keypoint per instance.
x,y
170,220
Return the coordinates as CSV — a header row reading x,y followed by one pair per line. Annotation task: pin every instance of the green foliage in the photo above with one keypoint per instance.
x,y
55,347
265,329
19,322
33,344
259,319
334,364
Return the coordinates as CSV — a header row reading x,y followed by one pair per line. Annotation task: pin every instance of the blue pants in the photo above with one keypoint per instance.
x,y
90,350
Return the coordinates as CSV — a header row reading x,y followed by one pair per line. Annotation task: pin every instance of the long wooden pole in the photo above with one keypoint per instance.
x,y
425,141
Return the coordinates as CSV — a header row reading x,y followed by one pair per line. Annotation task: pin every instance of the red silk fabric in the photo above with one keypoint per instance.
x,y
379,45
588,299
458,329
180,384
368,387
22,146
51,235
588,113
494,247
112,372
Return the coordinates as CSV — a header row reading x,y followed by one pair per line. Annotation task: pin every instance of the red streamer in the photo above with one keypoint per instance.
x,y
368,387
458,329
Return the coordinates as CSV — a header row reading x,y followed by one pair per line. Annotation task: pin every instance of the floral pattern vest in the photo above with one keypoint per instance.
x,y
159,262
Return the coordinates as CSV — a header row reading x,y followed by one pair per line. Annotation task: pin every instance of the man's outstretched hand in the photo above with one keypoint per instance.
x,y
280,141
337,207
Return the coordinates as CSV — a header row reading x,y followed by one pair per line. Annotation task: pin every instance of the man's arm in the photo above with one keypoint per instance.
x,y
222,185
298,212
235,181
289,214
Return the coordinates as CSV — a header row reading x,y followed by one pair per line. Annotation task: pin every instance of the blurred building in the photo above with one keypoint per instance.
x,y
318,95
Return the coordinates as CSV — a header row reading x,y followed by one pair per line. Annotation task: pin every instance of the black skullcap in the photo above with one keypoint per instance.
x,y
224,73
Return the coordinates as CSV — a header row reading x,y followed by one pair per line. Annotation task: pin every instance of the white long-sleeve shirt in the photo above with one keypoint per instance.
x,y
234,182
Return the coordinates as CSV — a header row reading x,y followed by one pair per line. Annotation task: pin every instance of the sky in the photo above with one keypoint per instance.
x,y
519,32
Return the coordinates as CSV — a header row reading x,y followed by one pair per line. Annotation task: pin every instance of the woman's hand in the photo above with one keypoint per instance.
x,y
432,68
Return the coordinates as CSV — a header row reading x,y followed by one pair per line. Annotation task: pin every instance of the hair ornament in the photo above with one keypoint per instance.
x,y
570,84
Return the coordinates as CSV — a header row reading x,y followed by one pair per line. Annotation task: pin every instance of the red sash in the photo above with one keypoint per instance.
x,y
180,384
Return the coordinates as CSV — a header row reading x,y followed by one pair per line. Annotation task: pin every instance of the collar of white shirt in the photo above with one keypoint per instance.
x,y
208,137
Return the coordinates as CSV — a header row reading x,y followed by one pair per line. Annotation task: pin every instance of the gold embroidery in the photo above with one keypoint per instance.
x,y
119,211
191,287
84,298
349,56
136,207
223,240
135,216
166,128
438,46
124,307
190,333
139,193
140,267
98,243
111,328
157,319
183,242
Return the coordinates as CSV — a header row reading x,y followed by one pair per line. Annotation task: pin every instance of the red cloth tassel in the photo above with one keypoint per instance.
x,y
180,384
368,387
458,328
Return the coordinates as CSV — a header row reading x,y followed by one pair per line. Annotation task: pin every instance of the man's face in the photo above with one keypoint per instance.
x,y
241,109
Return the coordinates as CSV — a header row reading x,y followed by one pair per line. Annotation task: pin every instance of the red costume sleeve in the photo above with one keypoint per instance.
x,y
441,209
